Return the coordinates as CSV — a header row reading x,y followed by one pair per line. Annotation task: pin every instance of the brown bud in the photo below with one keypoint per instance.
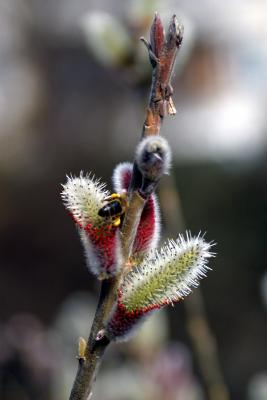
x,y
157,36
175,33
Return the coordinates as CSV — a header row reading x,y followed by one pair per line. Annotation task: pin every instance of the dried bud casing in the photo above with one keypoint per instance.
x,y
174,34
162,278
83,197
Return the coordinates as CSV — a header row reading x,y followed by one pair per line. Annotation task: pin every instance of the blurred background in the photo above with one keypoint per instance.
x,y
74,83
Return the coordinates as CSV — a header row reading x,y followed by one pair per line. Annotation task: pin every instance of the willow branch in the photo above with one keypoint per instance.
x,y
162,53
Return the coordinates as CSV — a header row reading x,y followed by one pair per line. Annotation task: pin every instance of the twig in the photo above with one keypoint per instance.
x,y
162,55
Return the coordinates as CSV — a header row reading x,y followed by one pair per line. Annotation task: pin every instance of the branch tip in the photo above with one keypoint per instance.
x,y
157,36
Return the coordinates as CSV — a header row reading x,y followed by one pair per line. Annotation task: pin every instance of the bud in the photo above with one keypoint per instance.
x,y
162,278
148,231
175,33
157,36
83,197
153,158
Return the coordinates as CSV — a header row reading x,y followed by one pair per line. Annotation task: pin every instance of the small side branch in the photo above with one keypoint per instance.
x,y
162,53
90,362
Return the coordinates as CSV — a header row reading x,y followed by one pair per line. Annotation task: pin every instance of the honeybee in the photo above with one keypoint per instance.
x,y
115,208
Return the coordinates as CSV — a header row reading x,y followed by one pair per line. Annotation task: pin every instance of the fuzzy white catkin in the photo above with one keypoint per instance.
x,y
168,275
162,278
83,196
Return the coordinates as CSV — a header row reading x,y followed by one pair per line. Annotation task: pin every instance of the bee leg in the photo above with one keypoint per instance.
x,y
116,222
113,196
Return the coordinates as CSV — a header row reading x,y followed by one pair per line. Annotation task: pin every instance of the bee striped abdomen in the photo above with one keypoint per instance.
x,y
111,209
